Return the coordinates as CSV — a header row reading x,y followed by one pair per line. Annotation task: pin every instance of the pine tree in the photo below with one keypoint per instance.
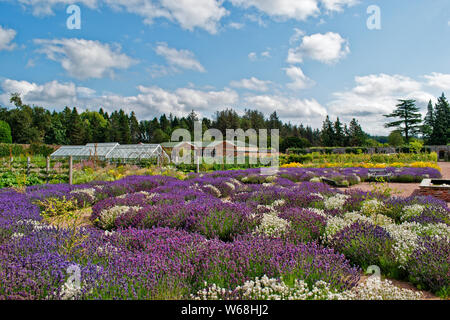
x,y
76,129
328,134
134,128
428,123
124,125
338,133
274,121
441,128
357,137
409,118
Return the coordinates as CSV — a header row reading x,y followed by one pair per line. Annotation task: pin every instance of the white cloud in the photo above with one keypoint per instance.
x,y
152,101
253,56
439,80
45,7
183,59
203,14
299,80
266,54
84,59
327,48
298,34
287,107
189,14
6,38
251,84
49,94
283,9
147,103
236,25
338,5
375,95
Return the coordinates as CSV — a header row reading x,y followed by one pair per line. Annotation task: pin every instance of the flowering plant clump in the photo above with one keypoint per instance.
x,y
266,288
305,225
372,207
365,244
429,265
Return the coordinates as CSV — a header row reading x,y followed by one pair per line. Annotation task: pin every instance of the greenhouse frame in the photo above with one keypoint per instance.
x,y
112,152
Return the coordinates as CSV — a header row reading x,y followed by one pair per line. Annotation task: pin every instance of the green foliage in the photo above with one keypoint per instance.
x,y
416,146
294,142
5,132
441,123
354,157
395,139
53,207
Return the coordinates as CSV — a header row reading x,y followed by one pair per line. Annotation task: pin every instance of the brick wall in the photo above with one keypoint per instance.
x,y
440,193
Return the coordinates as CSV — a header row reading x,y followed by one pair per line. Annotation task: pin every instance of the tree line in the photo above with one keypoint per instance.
x,y
408,123
25,124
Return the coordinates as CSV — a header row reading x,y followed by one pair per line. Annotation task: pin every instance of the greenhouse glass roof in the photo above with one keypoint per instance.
x,y
136,151
105,151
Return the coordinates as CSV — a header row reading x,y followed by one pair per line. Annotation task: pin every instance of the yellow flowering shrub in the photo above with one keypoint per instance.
x,y
368,165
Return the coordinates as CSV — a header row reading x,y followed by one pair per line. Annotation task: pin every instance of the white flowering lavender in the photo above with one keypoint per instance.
x,y
17,235
148,195
376,289
273,207
36,225
214,190
372,207
266,288
412,211
318,195
230,185
89,192
336,224
70,291
405,241
109,216
335,202
272,226
319,212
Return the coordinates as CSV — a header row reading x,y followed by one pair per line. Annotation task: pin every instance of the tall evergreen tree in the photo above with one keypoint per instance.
x,y
339,136
134,128
441,128
409,118
428,123
76,129
357,137
124,125
328,136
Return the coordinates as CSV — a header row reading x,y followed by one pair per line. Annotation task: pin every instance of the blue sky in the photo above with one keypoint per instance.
x,y
302,58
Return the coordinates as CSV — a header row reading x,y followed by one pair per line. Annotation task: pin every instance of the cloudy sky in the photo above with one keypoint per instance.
x,y
302,58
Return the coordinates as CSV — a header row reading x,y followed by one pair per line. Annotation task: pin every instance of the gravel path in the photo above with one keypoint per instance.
x,y
404,189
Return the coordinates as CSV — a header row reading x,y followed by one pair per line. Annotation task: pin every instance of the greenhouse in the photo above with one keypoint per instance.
x,y
112,151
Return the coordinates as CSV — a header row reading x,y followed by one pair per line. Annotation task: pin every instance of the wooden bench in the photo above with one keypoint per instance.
x,y
379,173
333,183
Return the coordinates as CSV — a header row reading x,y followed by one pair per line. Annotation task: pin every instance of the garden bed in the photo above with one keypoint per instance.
x,y
220,236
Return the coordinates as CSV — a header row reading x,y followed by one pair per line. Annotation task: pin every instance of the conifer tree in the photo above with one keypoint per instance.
x,y
409,119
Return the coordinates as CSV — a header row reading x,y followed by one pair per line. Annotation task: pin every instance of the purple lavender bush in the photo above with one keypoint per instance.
x,y
365,244
305,225
429,264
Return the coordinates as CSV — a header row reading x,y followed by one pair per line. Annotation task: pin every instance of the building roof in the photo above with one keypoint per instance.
x,y
110,151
